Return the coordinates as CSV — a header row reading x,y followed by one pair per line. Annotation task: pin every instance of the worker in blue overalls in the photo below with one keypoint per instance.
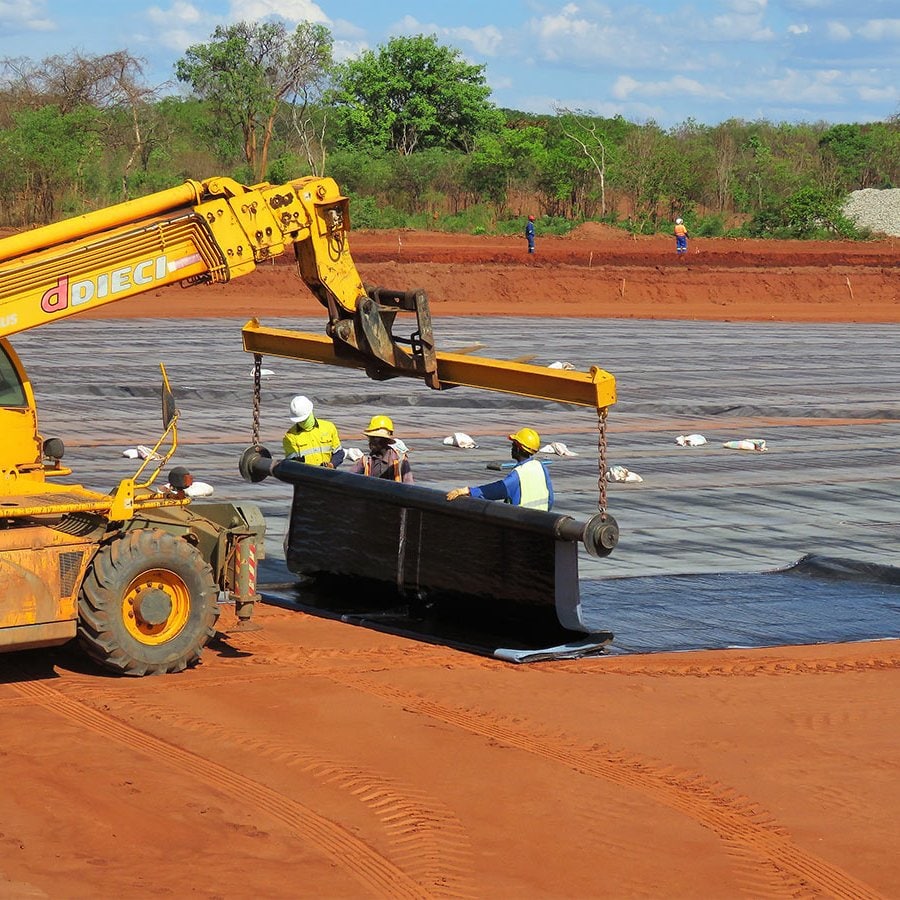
x,y
529,234
528,483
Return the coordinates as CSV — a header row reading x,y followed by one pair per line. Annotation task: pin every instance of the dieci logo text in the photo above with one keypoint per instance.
x,y
102,287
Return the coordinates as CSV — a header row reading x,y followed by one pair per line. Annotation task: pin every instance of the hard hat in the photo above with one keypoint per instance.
x,y
380,426
527,438
531,218
678,221
301,409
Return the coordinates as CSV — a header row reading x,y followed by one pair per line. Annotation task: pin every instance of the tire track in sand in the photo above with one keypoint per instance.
x,y
427,840
669,667
743,825
373,871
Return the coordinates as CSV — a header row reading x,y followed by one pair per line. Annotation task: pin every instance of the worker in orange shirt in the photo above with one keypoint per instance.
x,y
681,236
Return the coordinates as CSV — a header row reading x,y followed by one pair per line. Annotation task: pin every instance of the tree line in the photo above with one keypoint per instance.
x,y
409,132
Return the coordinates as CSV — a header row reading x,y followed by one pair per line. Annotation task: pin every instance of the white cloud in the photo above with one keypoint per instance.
x,y
884,95
177,27
880,30
822,87
290,10
837,31
26,15
182,23
569,37
625,86
343,50
179,14
798,29
748,7
744,21
635,112
486,40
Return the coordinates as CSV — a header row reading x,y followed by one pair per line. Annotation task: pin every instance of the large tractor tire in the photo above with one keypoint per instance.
x,y
148,604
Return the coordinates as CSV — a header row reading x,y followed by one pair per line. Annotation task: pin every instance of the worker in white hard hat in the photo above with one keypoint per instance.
x,y
528,483
387,456
311,440
681,236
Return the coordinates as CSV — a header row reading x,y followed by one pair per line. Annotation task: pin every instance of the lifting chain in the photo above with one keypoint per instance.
x,y
257,392
601,455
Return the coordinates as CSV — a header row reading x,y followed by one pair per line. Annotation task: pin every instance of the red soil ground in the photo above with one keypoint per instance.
x,y
597,271
313,759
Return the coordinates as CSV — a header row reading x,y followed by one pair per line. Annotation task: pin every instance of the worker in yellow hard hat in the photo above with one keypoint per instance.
x,y
388,457
528,483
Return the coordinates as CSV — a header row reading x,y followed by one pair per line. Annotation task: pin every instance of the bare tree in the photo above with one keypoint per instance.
x,y
584,131
312,72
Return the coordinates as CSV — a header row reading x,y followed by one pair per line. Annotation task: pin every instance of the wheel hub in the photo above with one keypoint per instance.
x,y
153,606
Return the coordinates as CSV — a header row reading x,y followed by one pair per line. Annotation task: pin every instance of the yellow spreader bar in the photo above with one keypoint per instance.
x,y
596,389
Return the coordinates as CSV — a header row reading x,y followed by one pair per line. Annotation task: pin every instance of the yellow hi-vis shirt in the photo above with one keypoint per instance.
x,y
533,482
315,446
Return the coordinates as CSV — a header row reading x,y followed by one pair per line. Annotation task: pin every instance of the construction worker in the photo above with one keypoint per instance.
x,y
681,236
387,456
311,440
528,483
529,234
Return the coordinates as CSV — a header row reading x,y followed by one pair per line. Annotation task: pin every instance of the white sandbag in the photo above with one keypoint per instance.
x,y
620,473
559,448
146,452
460,439
131,453
199,489
354,453
561,365
690,440
746,444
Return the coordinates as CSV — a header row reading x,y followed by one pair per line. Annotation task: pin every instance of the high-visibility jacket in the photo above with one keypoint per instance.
x,y
315,446
391,464
680,231
528,484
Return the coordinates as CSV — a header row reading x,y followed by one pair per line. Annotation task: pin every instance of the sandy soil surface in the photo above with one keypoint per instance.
x,y
314,759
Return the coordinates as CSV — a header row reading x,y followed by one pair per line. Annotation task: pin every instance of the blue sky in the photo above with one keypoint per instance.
x,y
782,60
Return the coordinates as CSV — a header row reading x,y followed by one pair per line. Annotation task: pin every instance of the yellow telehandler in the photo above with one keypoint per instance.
x,y
138,574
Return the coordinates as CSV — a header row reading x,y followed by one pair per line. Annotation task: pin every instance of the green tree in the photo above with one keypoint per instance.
x,y
45,157
413,94
112,83
248,70
504,160
641,172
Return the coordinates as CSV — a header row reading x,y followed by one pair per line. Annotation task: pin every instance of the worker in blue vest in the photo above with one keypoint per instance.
x,y
529,234
528,483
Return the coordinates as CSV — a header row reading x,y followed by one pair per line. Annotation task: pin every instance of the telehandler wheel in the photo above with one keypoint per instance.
x,y
147,604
